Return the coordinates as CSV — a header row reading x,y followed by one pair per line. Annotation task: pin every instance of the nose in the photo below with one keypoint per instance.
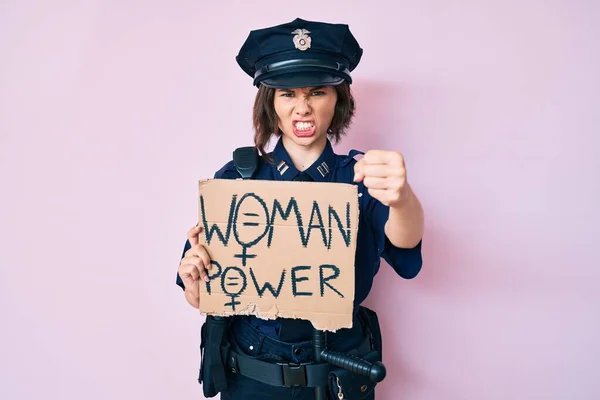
x,y
303,107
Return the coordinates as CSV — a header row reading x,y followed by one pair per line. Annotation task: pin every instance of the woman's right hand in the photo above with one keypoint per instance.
x,y
194,266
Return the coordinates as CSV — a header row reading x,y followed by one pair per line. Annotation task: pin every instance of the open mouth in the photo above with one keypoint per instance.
x,y
304,128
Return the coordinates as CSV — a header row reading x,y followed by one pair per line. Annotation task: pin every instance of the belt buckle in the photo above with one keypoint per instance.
x,y
293,374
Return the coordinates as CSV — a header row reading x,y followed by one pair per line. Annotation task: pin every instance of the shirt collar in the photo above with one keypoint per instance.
x,y
320,171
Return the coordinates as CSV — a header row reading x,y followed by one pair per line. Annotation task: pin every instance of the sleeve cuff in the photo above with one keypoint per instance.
x,y
407,262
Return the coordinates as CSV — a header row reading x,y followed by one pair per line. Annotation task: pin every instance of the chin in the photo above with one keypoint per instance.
x,y
304,140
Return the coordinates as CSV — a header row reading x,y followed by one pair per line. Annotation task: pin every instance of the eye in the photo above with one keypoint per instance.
x,y
286,94
318,93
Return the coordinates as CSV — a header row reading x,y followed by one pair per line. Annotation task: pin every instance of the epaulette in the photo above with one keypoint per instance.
x,y
350,157
226,170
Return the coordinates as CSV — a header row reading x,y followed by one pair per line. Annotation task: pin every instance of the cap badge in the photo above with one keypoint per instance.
x,y
302,40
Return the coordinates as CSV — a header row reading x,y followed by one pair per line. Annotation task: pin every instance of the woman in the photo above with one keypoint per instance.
x,y
302,71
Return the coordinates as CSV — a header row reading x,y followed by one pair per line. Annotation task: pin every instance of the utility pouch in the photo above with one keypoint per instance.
x,y
370,321
214,350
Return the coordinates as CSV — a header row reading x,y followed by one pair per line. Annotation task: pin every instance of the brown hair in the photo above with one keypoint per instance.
x,y
265,119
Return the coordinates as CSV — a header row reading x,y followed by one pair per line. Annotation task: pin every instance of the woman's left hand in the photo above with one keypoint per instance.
x,y
384,175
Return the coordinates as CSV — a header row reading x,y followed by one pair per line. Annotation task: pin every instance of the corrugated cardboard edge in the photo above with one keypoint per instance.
x,y
332,324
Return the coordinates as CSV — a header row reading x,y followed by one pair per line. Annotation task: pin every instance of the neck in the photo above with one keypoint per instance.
x,y
304,156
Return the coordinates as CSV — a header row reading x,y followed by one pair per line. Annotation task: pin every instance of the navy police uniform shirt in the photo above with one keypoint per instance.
x,y
372,243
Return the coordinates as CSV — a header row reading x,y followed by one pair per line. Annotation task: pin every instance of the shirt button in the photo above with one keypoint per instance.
x,y
298,351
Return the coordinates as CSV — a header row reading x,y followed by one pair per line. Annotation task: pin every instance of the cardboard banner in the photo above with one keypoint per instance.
x,y
279,249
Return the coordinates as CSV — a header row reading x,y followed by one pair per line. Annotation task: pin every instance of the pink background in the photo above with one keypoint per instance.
x,y
106,113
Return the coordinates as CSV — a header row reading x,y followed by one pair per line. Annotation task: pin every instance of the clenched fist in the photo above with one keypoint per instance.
x,y
384,175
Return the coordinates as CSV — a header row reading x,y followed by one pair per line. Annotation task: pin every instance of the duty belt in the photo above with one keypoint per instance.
x,y
285,374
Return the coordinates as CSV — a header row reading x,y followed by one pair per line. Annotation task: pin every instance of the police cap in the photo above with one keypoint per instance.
x,y
300,54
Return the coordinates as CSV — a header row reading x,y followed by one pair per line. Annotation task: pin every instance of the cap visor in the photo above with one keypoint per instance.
x,y
302,79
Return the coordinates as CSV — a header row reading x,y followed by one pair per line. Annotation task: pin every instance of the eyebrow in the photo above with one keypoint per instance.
x,y
311,89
